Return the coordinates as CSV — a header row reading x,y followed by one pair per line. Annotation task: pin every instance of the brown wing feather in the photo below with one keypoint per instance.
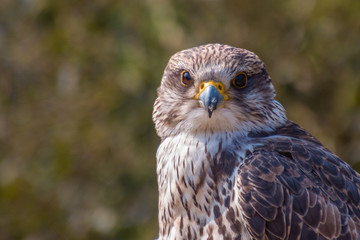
x,y
293,188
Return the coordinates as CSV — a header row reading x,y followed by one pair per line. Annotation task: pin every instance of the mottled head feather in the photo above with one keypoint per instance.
x,y
250,109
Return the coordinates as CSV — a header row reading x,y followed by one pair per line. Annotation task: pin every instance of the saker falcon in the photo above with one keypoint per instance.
x,y
232,166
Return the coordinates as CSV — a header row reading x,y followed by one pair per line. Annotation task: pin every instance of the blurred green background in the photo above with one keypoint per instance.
x,y
78,80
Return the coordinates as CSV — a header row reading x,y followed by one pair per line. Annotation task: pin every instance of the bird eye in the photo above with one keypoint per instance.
x,y
185,78
240,80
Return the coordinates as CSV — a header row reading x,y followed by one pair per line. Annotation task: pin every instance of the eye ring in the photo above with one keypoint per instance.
x,y
186,79
240,81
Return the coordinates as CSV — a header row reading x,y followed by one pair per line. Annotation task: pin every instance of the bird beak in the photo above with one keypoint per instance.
x,y
211,95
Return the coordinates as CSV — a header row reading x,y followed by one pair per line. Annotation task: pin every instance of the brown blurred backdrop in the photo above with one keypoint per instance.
x,y
78,80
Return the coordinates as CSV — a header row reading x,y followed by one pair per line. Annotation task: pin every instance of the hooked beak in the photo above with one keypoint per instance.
x,y
211,96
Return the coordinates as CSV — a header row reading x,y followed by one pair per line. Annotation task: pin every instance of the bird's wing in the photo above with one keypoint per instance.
x,y
296,189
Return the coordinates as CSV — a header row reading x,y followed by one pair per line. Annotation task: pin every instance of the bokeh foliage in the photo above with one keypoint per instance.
x,y
77,83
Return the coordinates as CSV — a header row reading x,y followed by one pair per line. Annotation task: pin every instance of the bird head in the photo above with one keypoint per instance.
x,y
216,88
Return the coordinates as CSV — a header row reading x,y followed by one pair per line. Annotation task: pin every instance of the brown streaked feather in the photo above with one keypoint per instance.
x,y
292,187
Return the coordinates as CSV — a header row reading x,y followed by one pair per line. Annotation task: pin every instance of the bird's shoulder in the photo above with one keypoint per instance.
x,y
291,185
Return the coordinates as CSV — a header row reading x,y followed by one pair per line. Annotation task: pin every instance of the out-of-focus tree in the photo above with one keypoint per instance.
x,y
77,83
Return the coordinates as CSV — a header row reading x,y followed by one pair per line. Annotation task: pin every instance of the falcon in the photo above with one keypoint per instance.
x,y
230,164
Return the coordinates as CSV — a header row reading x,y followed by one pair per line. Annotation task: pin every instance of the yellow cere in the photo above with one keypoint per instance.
x,y
219,86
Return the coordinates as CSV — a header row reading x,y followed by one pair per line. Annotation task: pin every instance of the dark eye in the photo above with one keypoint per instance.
x,y
185,78
240,80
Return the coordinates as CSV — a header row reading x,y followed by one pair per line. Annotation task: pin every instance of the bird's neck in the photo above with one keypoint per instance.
x,y
195,172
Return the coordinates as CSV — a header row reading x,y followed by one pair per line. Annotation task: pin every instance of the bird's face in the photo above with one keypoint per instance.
x,y
214,88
